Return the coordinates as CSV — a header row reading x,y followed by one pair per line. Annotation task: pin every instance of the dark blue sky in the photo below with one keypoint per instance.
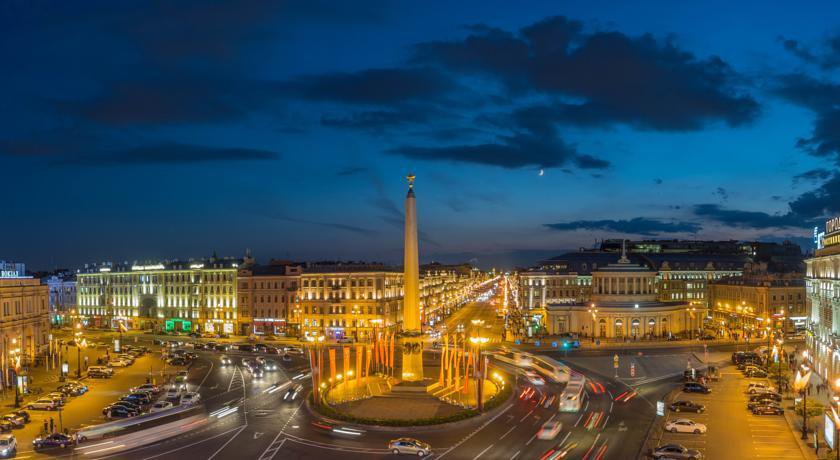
x,y
142,130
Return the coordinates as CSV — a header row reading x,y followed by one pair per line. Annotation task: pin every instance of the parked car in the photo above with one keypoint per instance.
x,y
272,350
137,398
42,404
684,425
147,387
246,348
161,406
694,387
410,446
676,451
53,440
755,373
6,426
100,372
687,406
127,404
16,420
190,397
768,409
767,396
759,387
115,412
57,396
8,445
177,361
287,358
345,340
549,430
21,413
118,362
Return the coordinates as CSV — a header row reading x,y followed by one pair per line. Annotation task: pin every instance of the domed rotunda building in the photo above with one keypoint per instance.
x,y
624,304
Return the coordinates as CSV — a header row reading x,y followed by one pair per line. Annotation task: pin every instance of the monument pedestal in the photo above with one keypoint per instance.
x,y
412,359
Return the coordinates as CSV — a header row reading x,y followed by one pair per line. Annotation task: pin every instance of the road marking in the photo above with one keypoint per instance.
x,y
272,448
188,445
482,452
228,441
530,440
526,416
516,454
206,375
493,419
579,419
507,432
565,438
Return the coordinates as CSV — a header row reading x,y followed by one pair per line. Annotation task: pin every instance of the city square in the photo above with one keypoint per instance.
x,y
474,230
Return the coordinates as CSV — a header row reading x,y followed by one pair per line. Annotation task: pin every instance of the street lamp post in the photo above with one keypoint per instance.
x,y
478,342
593,311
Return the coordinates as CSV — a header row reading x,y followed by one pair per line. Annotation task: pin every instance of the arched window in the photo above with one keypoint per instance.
x,y
602,328
651,327
634,328
619,328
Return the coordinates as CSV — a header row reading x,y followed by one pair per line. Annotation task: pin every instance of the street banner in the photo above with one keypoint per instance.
x,y
359,352
314,375
332,363
368,353
345,362
392,353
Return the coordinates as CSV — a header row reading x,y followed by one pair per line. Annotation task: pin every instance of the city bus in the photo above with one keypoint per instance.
x,y
112,437
556,371
572,397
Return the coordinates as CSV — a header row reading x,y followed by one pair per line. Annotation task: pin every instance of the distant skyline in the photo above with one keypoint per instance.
x,y
153,130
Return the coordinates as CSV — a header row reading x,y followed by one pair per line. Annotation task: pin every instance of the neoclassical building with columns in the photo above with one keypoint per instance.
x,y
623,302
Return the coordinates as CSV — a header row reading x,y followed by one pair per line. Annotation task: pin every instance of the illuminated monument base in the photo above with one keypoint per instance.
x,y
412,359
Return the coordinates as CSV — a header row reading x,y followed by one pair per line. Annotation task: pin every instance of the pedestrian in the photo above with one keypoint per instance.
x,y
52,425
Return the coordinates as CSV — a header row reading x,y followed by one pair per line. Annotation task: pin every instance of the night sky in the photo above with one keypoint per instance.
x,y
151,130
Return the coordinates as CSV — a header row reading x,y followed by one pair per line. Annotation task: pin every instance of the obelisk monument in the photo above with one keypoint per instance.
x,y
412,365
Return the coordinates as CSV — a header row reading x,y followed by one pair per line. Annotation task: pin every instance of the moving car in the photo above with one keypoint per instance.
x,y
161,406
42,404
687,406
181,378
177,361
534,378
676,451
225,360
684,425
8,445
190,397
292,392
53,440
270,365
409,446
694,387
336,430
287,358
768,409
173,394
549,430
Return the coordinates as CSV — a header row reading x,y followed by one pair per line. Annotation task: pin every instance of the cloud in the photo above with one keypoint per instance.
x,y
377,120
638,226
827,56
374,86
722,193
747,219
657,181
822,98
169,153
351,171
820,202
813,175
333,225
515,151
174,100
615,78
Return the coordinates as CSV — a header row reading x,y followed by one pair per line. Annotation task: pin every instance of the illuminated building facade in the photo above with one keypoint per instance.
x,y
24,316
268,298
182,296
62,288
753,302
623,304
349,299
444,288
822,287
681,277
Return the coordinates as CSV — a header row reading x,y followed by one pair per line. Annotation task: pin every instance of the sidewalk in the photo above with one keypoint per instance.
x,y
815,424
556,343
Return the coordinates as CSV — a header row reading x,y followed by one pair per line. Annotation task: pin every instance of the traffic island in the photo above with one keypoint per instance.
x,y
382,402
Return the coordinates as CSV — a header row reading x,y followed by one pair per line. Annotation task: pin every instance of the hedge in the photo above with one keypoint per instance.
x,y
492,403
